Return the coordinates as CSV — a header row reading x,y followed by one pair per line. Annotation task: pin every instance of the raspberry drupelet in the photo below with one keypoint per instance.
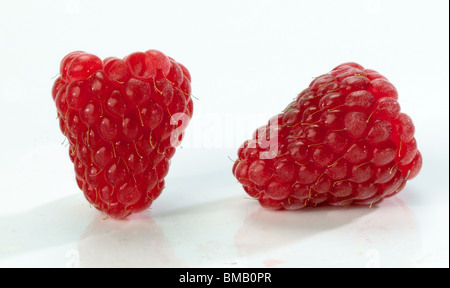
x,y
342,141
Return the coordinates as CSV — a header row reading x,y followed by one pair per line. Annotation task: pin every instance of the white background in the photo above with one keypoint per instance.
x,y
248,59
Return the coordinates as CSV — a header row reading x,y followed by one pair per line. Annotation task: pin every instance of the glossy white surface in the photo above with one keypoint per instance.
x,y
227,231
248,59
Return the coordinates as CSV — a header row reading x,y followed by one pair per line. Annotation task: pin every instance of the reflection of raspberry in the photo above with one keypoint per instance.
x,y
342,141
116,115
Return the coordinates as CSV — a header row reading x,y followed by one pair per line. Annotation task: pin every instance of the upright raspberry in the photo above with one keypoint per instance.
x,y
123,119
342,141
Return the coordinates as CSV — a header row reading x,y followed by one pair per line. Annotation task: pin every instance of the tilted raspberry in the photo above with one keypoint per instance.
x,y
342,141
121,119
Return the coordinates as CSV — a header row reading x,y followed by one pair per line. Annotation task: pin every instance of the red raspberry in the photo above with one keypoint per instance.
x,y
123,120
342,141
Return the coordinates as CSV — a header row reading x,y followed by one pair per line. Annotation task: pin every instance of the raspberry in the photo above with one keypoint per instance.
x,y
342,141
118,117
